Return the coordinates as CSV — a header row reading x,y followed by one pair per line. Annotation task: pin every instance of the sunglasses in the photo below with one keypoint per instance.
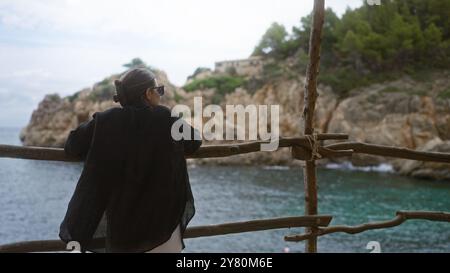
x,y
159,89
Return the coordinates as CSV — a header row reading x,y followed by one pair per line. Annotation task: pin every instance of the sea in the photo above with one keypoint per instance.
x,y
34,196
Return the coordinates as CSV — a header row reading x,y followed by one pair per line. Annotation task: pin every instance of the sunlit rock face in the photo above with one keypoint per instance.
x,y
405,114
55,117
402,113
424,169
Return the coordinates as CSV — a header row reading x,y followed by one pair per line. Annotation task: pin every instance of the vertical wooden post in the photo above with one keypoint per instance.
x,y
310,97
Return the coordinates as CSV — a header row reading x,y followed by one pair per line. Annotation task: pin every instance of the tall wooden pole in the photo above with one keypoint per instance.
x,y
310,97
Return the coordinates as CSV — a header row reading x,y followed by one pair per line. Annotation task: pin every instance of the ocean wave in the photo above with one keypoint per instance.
x,y
276,167
383,167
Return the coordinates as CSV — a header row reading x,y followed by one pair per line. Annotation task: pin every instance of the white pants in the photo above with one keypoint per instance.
x,y
173,245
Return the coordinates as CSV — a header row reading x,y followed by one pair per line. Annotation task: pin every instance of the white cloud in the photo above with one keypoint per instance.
x,y
60,46
173,21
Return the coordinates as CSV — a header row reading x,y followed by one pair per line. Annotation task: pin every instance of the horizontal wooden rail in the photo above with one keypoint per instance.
x,y
255,146
192,232
208,151
400,218
57,154
390,151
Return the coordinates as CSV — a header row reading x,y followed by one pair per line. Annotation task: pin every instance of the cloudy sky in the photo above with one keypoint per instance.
x,y
62,46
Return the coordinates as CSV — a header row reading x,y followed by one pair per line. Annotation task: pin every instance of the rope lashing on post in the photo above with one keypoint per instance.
x,y
314,145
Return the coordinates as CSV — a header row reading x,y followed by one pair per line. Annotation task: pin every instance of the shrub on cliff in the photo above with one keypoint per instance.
x,y
222,84
370,43
104,90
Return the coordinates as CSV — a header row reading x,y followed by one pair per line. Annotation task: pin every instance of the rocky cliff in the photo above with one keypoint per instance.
x,y
405,113
54,117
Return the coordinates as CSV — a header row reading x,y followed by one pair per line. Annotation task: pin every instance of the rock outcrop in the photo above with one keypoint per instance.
x,y
404,113
54,117
423,169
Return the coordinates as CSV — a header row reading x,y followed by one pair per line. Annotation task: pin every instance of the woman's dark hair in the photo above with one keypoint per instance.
x,y
132,85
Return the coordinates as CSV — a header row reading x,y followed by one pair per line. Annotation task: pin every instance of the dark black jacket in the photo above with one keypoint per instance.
x,y
134,188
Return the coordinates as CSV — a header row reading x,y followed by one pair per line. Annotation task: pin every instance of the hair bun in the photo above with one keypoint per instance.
x,y
118,83
119,90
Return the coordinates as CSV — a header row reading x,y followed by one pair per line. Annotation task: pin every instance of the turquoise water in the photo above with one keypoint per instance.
x,y
34,196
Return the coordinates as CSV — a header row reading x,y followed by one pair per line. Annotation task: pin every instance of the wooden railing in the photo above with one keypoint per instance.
x,y
191,232
320,223
334,150
307,148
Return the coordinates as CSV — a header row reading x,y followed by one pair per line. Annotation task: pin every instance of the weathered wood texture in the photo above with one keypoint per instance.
x,y
400,218
309,103
191,232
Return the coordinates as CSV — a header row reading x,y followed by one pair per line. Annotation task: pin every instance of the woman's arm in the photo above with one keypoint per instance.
x,y
79,140
193,143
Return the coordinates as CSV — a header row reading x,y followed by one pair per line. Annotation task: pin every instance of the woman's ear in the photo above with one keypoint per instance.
x,y
148,93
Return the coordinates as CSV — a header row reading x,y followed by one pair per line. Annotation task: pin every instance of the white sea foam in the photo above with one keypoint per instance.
x,y
276,167
384,167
